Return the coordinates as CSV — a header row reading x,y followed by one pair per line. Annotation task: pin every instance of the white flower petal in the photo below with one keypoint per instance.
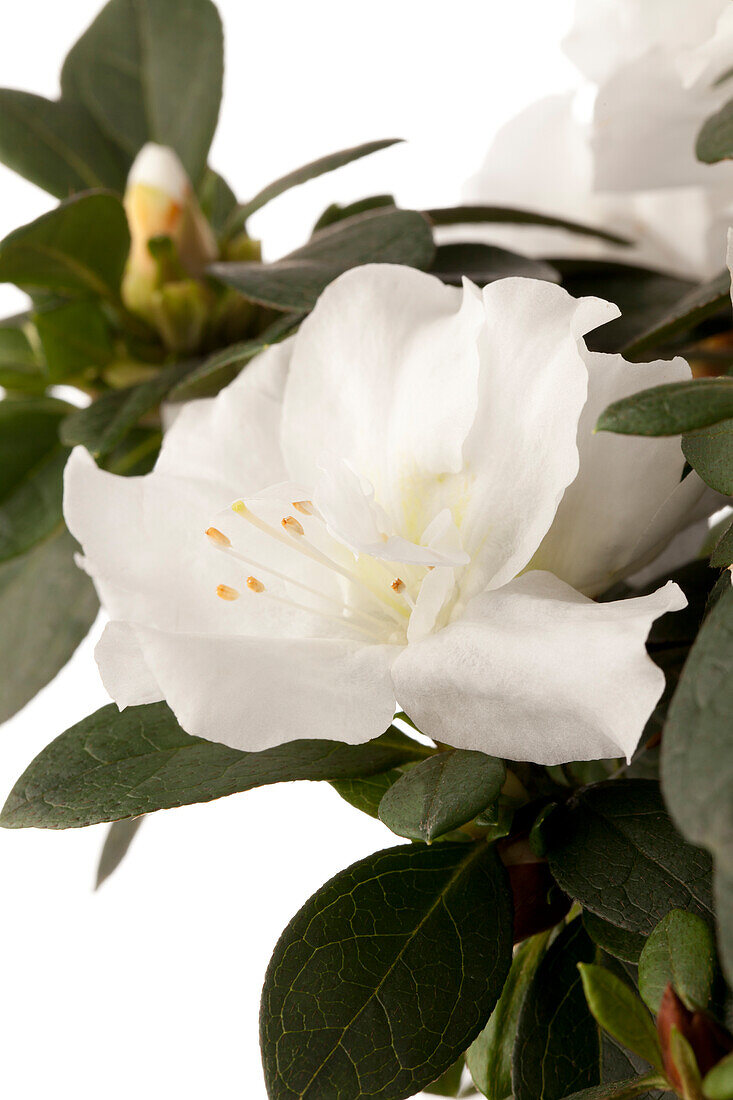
x,y
253,693
125,673
622,483
384,375
522,452
535,671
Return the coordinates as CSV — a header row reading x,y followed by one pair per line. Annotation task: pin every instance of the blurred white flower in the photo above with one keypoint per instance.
x,y
619,152
421,515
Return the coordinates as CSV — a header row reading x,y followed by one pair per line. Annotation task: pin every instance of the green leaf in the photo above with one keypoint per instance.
x,y
387,974
685,1063
217,199
704,301
120,836
670,409
718,1083
557,1049
337,213
620,1012
473,215
31,467
715,140
295,282
722,555
75,337
57,145
710,453
442,793
621,1090
47,605
489,1058
366,794
102,425
449,1083
20,366
697,756
618,854
151,70
308,172
483,263
618,942
680,950
117,764
223,366
78,248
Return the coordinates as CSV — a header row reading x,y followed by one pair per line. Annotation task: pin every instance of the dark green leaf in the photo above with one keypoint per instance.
x,y
710,453
75,337
336,213
618,942
78,248
670,409
715,140
222,367
718,1083
702,302
307,172
366,794
557,1048
449,1083
151,70
619,1011
102,425
122,764
20,365
387,974
680,950
620,1090
442,793
620,856
116,844
57,145
217,199
483,263
472,215
47,605
295,282
489,1058
722,555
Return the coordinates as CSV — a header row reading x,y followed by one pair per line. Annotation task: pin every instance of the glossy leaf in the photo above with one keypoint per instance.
x,y
75,337
618,854
557,1049
722,555
307,172
47,605
715,140
120,836
618,1010
489,1058
366,794
117,764
718,1083
710,453
449,1083
618,942
20,366
683,1057
620,1090
295,282
704,301
151,70
350,1004
476,215
78,248
670,409
442,793
680,950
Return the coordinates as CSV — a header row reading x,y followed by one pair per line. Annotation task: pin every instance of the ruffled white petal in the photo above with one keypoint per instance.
x,y
536,671
522,452
253,693
597,536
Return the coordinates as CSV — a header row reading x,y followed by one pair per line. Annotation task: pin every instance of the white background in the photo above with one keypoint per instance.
x,y
150,988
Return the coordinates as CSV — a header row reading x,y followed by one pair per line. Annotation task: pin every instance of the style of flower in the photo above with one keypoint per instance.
x,y
405,504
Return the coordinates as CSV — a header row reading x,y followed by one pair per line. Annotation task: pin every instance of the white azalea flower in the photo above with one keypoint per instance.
x,y
405,505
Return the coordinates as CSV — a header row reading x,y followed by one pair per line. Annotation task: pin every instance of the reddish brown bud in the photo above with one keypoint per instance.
x,y
538,901
709,1041
672,1013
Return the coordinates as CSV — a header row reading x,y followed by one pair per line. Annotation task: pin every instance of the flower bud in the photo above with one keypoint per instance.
x,y
708,1041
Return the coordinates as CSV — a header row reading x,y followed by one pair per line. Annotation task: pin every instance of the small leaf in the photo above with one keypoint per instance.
x,y
20,365
618,942
704,301
151,70
619,856
722,555
117,764
366,794
483,263
336,213
710,453
308,172
442,793
449,1083
119,837
620,1012
489,1058
217,199
621,1090
472,215
685,1062
75,337
680,950
715,140
670,409
718,1083
295,282
78,248
387,974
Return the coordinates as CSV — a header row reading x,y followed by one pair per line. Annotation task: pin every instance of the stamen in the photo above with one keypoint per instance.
x,y
259,589
254,585
398,585
305,507
218,537
224,592
293,526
